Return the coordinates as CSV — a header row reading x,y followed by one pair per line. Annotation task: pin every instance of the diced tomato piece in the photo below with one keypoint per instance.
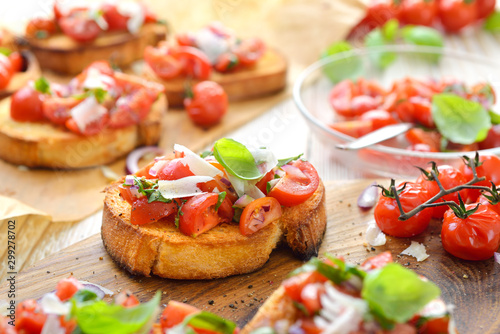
x,y
310,296
293,286
175,313
377,261
29,317
355,129
144,212
67,287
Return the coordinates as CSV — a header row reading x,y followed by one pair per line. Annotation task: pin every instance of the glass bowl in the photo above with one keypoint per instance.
x,y
389,158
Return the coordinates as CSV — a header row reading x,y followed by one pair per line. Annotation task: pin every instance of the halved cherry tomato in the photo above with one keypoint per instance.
x,y
249,51
58,109
490,169
355,129
449,177
174,170
474,238
377,261
218,184
262,184
79,26
40,28
351,99
26,105
386,212
226,62
130,109
162,62
17,61
30,317
418,12
378,118
127,194
457,14
420,136
294,285
145,213
115,20
90,129
199,215
258,214
208,104
67,287
195,63
295,188
174,314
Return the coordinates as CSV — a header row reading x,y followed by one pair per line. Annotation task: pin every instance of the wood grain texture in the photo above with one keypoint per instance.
x,y
471,286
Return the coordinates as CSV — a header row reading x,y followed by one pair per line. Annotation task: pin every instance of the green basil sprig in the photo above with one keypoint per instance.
x,y
236,159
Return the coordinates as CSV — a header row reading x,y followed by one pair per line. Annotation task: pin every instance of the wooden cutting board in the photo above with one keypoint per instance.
x,y
471,286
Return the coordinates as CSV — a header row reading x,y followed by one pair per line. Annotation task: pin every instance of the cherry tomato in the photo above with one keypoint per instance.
x,y
387,212
174,170
40,28
456,14
294,285
199,215
164,64
484,201
249,51
258,214
449,177
476,237
490,169
485,8
29,317
208,104
350,99
115,20
195,63
310,296
58,109
298,184
175,313
17,61
226,62
26,105
377,261
492,139
418,12
145,213
79,26
67,287
6,71
420,136
355,129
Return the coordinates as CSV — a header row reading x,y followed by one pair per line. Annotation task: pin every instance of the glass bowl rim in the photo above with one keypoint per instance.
x,y
405,49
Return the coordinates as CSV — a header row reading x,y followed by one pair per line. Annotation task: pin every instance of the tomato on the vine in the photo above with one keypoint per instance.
x,y
475,237
418,12
298,184
493,206
485,8
208,104
258,214
449,177
387,212
457,14
490,169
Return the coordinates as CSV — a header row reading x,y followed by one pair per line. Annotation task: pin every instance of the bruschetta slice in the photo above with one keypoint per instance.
x,y
77,36
187,217
245,68
335,297
98,117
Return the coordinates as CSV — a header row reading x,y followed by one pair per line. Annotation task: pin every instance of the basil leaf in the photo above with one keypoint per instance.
x,y
382,59
492,23
282,162
421,35
42,85
236,159
100,317
5,51
396,293
390,30
210,321
220,199
84,295
340,69
337,274
100,94
460,120
205,154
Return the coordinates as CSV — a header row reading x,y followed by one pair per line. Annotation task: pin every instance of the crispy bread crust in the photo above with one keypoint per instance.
x,y
267,77
160,249
61,54
304,225
20,80
46,145
278,307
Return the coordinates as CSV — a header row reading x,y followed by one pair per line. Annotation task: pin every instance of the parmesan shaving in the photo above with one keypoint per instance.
x,y
374,236
417,250
196,164
135,12
87,112
185,187
51,304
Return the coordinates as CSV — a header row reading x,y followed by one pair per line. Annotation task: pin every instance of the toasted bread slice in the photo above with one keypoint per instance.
x,y
20,79
61,54
46,145
160,249
268,76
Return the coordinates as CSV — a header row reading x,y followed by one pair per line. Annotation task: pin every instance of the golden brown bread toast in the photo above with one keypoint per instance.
x,y
268,76
61,54
46,145
160,249
20,79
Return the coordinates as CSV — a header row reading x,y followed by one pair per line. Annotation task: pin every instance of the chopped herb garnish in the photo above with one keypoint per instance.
x,y
43,86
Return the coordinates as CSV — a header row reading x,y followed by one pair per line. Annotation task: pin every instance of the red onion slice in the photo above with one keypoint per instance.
x,y
296,172
129,180
134,157
243,201
226,181
369,197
